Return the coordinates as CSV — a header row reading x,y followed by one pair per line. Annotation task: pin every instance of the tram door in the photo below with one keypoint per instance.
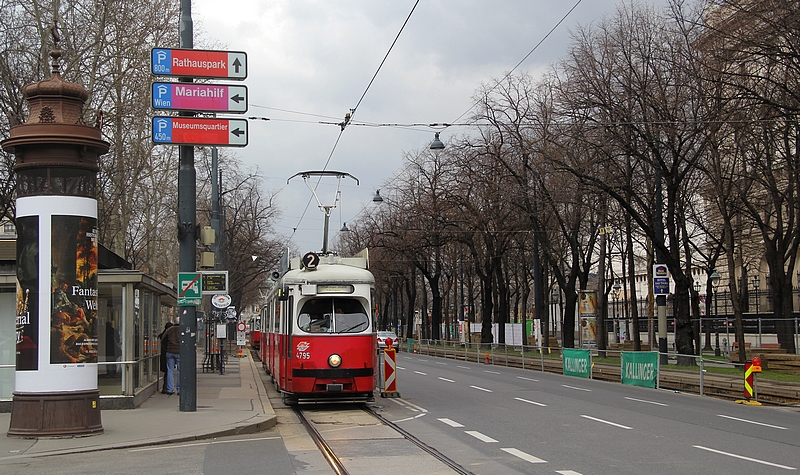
x,y
286,343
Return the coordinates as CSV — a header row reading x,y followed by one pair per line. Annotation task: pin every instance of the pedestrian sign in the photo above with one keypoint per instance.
x,y
190,289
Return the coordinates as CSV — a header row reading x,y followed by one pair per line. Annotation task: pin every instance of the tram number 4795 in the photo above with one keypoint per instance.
x,y
303,355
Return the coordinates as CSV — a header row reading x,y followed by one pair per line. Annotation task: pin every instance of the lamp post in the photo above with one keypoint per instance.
x,y
617,287
554,295
715,278
756,285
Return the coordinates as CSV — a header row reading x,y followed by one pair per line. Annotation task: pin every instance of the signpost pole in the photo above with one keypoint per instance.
x,y
187,211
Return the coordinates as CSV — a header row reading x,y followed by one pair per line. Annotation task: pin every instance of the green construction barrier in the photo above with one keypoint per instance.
x,y
640,368
577,363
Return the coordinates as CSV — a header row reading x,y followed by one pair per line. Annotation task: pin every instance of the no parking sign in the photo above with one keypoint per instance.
x,y
240,334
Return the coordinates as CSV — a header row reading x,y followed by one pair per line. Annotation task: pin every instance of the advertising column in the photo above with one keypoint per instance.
x,y
55,386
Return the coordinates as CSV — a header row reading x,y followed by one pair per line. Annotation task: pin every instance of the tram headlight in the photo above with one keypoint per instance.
x,y
334,360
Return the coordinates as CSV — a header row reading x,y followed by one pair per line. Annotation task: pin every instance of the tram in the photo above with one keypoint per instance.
x,y
318,338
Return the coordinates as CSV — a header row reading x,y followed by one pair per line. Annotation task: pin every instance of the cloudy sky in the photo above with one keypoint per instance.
x,y
310,61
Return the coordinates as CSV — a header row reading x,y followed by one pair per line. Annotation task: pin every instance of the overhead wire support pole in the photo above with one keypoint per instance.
x,y
187,238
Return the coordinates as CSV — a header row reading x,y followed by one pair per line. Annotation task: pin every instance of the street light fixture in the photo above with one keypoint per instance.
x,y
437,144
377,198
715,278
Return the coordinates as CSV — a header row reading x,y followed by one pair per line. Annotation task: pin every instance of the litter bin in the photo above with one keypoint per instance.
x,y
410,347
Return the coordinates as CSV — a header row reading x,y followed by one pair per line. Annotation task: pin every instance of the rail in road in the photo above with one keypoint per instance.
x,y
717,385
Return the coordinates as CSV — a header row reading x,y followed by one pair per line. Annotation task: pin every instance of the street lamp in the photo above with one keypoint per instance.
x,y
715,278
437,144
617,288
554,295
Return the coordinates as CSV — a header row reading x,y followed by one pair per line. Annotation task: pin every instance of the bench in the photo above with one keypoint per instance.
x,y
735,345
770,345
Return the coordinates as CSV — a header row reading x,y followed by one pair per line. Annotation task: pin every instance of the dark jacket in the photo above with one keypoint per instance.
x,y
173,337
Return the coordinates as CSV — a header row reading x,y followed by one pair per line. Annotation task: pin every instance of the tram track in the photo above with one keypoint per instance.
x,y
335,462
325,448
419,443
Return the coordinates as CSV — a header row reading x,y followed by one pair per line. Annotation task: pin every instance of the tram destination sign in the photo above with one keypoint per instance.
x,y
199,97
197,63
199,131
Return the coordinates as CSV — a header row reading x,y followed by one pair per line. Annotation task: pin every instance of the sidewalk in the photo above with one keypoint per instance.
x,y
229,404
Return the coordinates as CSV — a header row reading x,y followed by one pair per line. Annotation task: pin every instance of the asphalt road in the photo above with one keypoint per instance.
x,y
497,420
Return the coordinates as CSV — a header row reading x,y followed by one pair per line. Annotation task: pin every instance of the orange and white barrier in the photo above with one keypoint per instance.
x,y
389,380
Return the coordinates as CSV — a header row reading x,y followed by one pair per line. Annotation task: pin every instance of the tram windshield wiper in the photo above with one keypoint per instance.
x,y
352,327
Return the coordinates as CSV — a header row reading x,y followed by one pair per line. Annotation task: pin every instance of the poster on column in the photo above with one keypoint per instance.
x,y
27,312
73,317
587,306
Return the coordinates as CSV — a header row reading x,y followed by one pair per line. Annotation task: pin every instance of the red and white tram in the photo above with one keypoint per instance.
x,y
318,333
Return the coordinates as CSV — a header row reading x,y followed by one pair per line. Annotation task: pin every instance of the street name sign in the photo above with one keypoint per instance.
x,y
199,131
190,289
199,97
198,63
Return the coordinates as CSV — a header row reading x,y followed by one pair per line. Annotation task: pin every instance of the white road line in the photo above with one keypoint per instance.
x,y
482,389
493,372
408,405
196,444
401,367
451,422
443,364
579,389
742,457
526,457
752,422
479,436
607,422
531,402
420,372
646,402
445,379
463,367
527,379
568,472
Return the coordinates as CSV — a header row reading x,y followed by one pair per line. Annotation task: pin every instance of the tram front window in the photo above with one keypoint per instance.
x,y
333,315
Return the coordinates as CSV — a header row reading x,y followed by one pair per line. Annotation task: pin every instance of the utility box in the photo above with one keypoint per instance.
x,y
207,260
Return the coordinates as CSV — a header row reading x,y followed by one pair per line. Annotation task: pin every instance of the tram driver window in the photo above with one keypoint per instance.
x,y
315,316
350,316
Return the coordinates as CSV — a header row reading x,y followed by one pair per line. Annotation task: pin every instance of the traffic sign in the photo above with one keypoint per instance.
x,y
199,131
199,97
198,63
190,289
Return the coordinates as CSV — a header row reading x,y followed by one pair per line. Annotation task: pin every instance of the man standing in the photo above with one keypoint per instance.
x,y
173,337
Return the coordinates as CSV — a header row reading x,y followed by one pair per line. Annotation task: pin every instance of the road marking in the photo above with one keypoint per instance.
x,y
408,405
568,472
479,436
423,361
401,367
420,372
526,457
451,422
646,402
197,444
463,367
607,422
531,402
493,372
579,389
443,364
445,379
742,457
482,389
752,422
527,379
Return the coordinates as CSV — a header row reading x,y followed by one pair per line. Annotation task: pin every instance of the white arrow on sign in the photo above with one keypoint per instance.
x,y
237,132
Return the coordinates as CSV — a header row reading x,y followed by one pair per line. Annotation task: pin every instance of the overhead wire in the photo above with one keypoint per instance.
x,y
352,112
